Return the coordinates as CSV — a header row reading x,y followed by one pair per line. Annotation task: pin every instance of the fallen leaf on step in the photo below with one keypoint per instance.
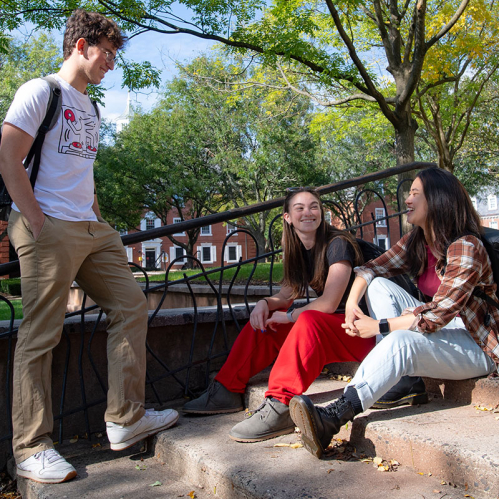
x,y
330,469
443,482
141,467
192,494
296,445
96,445
377,460
157,483
282,445
479,408
74,439
436,491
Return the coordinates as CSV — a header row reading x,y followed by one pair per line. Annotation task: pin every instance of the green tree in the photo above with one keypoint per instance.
x,y
455,91
210,148
332,43
23,61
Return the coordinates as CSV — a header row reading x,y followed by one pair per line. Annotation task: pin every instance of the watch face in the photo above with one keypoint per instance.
x,y
384,327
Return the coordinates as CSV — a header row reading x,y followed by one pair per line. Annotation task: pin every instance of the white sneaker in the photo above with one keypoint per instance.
x,y
47,466
121,437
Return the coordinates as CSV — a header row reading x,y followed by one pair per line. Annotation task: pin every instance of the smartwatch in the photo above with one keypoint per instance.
x,y
289,314
384,327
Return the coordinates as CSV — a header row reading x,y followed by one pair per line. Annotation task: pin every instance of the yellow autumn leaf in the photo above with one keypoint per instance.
x,y
377,460
296,445
282,445
192,494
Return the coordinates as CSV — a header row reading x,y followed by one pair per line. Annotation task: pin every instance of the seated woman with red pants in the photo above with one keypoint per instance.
x,y
300,341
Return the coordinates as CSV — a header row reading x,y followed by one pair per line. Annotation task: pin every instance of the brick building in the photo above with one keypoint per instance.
x,y
159,252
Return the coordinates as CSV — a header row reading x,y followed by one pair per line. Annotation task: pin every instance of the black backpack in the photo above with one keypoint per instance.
x,y
490,240
54,106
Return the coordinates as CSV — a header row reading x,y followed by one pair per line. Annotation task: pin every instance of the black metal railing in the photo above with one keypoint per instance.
x,y
162,366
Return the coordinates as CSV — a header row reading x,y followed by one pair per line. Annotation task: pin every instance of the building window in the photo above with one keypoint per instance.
x,y
493,225
233,253
327,217
474,203
382,242
380,213
207,253
177,252
492,202
231,228
177,221
206,230
150,221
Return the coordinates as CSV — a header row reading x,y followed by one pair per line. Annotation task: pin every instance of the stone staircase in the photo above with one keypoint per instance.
x,y
447,448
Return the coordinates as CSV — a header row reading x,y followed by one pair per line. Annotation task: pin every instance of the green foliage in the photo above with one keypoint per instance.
x,y
23,61
11,286
213,140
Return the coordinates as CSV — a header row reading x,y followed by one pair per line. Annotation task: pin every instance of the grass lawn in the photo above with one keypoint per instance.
x,y
261,275
5,310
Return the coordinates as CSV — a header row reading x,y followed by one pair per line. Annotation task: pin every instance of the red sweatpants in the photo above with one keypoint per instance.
x,y
300,351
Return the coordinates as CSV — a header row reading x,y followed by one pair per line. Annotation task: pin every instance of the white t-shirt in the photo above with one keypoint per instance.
x,y
64,186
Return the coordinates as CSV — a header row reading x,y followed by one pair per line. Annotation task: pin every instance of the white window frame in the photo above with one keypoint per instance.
x,y
383,237
493,224
492,202
150,215
474,202
231,228
173,254
213,253
208,232
177,220
380,213
239,253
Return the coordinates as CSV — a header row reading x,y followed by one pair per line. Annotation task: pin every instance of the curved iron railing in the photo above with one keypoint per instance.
x,y
158,369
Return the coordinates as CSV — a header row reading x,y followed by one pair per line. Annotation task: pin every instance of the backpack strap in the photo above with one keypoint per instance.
x,y
54,107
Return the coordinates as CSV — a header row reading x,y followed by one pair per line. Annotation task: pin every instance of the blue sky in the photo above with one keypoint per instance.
x,y
162,51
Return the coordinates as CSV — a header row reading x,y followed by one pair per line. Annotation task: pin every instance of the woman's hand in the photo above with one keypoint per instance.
x,y
259,315
278,317
351,315
364,326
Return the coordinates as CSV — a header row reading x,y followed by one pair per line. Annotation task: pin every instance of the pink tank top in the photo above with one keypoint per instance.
x,y
428,281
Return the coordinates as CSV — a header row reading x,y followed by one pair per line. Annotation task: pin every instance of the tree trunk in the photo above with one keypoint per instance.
x,y
404,150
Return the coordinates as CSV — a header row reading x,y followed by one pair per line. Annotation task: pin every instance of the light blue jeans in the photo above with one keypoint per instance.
x,y
449,353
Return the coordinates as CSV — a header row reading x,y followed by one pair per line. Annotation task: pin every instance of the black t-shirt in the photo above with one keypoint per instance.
x,y
338,250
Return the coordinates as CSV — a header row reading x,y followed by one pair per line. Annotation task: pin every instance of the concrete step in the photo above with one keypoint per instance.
x,y
453,440
444,449
105,474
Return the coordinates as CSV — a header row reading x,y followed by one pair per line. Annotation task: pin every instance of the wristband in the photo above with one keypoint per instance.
x,y
266,301
289,315
384,327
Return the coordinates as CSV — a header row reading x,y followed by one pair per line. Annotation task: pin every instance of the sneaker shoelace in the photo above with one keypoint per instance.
x,y
50,455
261,408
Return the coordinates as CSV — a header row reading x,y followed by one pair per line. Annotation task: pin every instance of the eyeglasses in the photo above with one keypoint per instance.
x,y
110,57
291,190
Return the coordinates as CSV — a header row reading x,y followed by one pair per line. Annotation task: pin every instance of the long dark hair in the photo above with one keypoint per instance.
x,y
295,274
450,216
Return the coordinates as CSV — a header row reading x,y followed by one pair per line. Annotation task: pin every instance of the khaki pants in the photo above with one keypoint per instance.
x,y
90,253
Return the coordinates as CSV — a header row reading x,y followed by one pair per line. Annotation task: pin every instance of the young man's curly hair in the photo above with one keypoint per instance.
x,y
91,26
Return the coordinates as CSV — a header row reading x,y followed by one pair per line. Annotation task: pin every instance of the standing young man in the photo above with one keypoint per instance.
x,y
60,237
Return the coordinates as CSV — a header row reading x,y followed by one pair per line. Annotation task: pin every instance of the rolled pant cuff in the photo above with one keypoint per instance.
x,y
365,394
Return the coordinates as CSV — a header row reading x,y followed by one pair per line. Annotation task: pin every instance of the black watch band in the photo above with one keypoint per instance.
x,y
384,327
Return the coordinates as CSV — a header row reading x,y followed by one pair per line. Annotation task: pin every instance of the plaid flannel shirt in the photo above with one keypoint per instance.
x,y
468,266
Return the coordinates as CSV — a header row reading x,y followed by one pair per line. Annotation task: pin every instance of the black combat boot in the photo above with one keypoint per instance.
x,y
318,425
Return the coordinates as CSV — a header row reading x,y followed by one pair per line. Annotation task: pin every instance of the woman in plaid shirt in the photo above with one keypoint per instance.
x,y
454,335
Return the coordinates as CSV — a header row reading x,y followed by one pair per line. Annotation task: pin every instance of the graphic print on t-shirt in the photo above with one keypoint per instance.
x,y
79,134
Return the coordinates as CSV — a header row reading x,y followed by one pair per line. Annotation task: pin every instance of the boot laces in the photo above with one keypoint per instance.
x,y
336,409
